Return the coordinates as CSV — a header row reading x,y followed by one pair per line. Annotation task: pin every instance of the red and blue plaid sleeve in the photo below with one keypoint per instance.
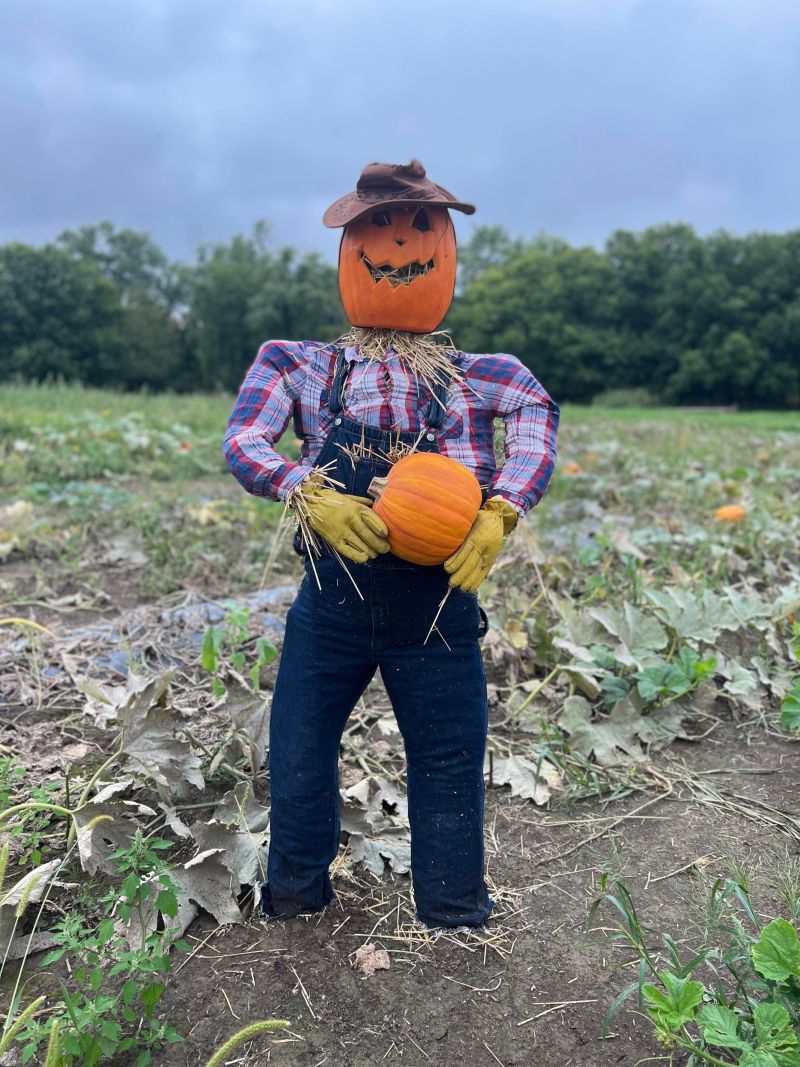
x,y
260,417
530,417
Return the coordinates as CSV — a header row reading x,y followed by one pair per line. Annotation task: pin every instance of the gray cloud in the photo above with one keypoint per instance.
x,y
191,118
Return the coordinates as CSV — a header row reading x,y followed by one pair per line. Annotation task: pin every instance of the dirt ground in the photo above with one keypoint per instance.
x,y
533,988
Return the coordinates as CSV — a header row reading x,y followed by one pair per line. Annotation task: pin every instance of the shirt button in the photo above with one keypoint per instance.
x,y
429,436
337,422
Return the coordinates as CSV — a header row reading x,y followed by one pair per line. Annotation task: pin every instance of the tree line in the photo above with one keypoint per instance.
x,y
663,315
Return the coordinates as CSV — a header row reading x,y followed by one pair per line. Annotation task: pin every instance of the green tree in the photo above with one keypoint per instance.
x,y
152,294
298,298
657,274
142,273
712,320
555,308
223,282
489,246
243,294
59,317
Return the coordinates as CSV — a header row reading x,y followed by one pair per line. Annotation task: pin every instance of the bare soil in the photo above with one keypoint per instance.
x,y
531,989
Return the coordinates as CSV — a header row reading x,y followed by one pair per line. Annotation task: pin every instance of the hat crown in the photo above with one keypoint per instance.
x,y
380,179
401,184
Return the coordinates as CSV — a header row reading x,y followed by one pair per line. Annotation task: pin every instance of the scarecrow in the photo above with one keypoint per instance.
x,y
390,409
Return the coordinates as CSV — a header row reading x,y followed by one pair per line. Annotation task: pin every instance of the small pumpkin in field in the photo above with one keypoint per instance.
x,y
429,503
730,513
397,268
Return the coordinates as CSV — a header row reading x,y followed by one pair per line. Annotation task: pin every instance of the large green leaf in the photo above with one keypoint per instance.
x,y
611,739
675,1007
673,679
740,683
790,708
209,652
774,1029
692,617
776,954
639,636
578,626
619,738
789,1058
758,1058
719,1026
748,609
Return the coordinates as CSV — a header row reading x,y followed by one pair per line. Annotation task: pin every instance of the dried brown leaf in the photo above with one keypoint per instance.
x,y
369,958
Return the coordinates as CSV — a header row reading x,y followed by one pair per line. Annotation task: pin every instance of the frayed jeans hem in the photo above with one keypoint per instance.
x,y
267,910
458,924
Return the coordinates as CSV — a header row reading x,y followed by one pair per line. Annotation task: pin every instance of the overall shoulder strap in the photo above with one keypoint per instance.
x,y
340,373
437,409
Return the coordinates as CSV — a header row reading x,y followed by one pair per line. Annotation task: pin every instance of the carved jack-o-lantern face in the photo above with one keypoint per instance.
x,y
397,268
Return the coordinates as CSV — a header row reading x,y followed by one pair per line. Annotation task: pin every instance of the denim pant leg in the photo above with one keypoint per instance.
x,y
439,698
325,667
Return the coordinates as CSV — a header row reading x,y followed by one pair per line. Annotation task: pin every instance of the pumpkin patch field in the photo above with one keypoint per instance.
x,y
642,778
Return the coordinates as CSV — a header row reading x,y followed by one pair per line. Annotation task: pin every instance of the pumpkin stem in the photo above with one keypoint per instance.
x,y
376,487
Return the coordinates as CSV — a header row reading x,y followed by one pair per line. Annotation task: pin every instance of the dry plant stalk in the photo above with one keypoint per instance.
x,y
398,450
284,524
436,618
427,352
427,355
297,505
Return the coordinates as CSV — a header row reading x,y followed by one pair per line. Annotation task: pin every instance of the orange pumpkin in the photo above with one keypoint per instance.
x,y
428,502
397,268
730,513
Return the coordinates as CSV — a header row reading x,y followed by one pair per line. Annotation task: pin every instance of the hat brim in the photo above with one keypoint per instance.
x,y
351,207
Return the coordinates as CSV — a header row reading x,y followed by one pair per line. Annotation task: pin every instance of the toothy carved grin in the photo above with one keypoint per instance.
x,y
395,276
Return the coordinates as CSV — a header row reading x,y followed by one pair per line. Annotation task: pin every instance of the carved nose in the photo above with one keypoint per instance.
x,y
398,241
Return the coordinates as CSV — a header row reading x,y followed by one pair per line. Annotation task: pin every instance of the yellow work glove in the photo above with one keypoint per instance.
x,y
472,562
347,523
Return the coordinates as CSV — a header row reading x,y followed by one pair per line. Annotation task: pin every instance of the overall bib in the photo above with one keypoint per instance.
x,y
334,643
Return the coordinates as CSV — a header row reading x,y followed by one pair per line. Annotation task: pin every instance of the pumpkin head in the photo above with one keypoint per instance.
x,y
429,503
397,268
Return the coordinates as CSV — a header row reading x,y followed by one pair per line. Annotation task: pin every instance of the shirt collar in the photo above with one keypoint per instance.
x,y
352,354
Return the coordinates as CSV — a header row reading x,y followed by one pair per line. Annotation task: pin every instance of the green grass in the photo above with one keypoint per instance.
x,y
56,406
61,434
141,474
768,421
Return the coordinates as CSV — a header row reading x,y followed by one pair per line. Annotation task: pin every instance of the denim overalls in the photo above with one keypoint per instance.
x,y
334,642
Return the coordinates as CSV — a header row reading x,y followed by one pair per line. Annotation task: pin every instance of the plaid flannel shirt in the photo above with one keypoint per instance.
x,y
292,380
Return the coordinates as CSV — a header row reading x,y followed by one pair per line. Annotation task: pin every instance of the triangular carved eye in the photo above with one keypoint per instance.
x,y
380,218
421,221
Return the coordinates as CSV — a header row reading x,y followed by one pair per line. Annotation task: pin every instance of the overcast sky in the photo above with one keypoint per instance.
x,y
193,118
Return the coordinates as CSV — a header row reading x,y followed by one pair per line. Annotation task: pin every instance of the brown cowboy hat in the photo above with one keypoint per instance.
x,y
391,185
